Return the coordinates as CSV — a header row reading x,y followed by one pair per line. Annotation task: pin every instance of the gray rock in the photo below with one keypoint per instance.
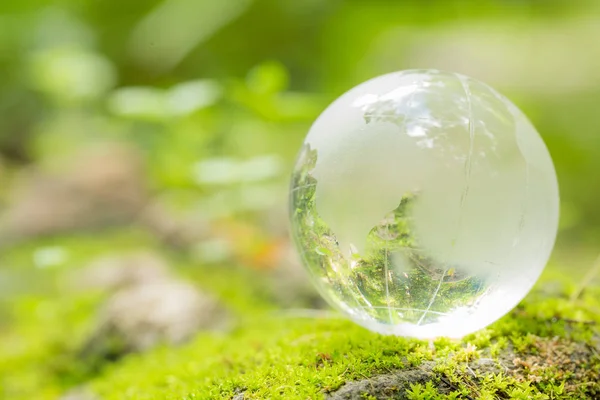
x,y
140,317
564,356
388,386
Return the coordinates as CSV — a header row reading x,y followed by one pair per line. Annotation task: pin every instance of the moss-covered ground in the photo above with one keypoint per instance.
x,y
546,348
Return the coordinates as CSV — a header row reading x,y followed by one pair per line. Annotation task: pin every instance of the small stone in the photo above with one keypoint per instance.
x,y
103,186
143,316
486,366
387,386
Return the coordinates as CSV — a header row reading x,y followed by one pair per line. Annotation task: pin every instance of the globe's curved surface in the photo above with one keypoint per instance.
x,y
424,203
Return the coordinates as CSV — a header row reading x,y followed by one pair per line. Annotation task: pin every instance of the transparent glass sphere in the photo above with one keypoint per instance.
x,y
424,203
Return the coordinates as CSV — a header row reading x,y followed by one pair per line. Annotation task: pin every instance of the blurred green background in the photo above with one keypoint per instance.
x,y
188,82
174,124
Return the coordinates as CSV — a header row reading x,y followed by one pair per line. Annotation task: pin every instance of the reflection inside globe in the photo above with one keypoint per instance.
x,y
424,204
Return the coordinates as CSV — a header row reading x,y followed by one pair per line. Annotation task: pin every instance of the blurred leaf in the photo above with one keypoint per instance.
x,y
71,75
147,103
227,171
217,171
46,257
268,78
260,168
185,98
264,93
139,102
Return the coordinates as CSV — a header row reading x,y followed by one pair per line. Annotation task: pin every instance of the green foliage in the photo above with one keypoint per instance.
x,y
423,392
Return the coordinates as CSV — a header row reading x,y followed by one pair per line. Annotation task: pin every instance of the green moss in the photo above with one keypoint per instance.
x,y
35,357
274,358
45,322
275,354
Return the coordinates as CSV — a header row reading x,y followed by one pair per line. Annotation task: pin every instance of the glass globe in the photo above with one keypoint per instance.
x,y
424,203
